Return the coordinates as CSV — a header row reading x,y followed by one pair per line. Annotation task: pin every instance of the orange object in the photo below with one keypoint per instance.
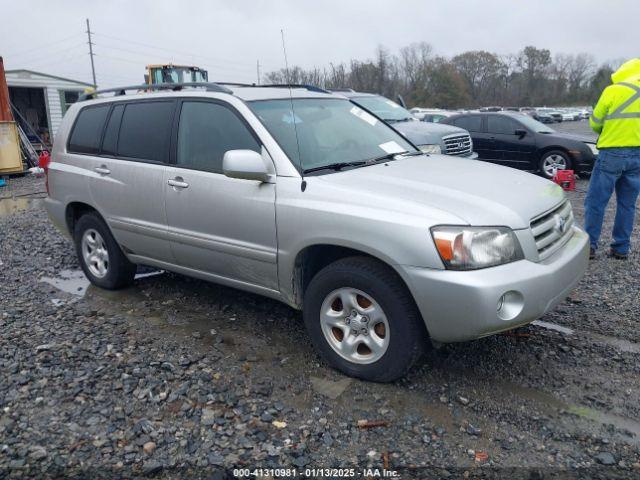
x,y
566,179
5,107
445,248
372,423
482,456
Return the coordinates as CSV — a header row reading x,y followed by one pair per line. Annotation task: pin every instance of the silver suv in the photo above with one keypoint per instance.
x,y
306,198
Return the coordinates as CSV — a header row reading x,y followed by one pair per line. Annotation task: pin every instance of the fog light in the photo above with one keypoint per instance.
x,y
510,305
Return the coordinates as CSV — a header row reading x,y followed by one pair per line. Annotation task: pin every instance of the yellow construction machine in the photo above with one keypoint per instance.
x,y
170,73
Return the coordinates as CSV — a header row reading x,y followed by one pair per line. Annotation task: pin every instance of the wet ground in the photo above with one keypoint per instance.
x,y
206,374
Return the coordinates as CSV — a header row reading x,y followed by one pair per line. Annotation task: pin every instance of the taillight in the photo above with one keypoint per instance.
x,y
43,162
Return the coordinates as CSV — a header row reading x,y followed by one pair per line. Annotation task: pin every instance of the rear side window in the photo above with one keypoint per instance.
x,y
145,131
206,131
85,137
500,124
110,141
471,123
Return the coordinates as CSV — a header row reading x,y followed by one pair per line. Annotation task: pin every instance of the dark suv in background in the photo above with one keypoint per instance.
x,y
519,141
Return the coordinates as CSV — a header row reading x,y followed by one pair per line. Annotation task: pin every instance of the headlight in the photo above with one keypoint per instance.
x,y
435,149
592,147
470,248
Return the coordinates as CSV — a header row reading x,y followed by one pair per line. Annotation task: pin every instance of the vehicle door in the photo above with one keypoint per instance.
x,y
128,174
514,149
483,144
219,225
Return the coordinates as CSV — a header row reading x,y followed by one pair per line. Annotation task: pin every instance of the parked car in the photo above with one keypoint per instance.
x,y
519,141
428,137
431,115
554,114
304,197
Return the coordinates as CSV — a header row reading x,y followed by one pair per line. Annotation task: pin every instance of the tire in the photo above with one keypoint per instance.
x,y
110,269
395,326
558,157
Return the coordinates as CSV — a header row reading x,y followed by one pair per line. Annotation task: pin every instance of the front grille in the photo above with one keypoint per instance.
x,y
553,229
457,144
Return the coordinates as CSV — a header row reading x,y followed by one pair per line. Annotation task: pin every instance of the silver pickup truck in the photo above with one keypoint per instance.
x,y
306,198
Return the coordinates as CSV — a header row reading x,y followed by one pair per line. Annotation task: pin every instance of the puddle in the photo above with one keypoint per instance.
x,y
76,283
69,281
9,206
554,404
553,326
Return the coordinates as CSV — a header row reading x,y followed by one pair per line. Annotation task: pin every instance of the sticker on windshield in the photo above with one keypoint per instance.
x,y
289,118
392,104
362,115
391,147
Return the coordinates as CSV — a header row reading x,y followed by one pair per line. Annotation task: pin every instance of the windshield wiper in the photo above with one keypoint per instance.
x,y
361,163
336,166
397,120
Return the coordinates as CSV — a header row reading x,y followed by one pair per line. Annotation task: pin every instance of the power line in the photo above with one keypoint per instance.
x,y
41,47
213,60
41,56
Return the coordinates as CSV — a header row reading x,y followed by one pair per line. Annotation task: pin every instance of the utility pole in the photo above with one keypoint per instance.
x,y
93,68
258,70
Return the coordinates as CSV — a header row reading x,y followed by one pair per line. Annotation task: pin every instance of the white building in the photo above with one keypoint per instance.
x,y
42,99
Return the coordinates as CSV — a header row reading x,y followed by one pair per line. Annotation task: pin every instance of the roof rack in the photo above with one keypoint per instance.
x,y
209,86
342,90
311,88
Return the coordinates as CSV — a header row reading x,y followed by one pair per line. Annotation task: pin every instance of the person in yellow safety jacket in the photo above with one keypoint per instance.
x,y
616,118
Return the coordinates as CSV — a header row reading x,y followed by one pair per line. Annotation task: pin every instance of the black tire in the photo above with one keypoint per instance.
x,y
120,272
407,339
551,153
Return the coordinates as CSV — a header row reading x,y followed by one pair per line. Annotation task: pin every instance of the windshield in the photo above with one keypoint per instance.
x,y
534,125
329,131
384,108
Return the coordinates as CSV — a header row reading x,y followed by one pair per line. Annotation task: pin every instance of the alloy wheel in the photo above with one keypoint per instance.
x,y
94,253
553,162
354,325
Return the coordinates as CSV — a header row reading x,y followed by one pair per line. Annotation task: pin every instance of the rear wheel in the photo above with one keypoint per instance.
x,y
362,320
99,254
555,159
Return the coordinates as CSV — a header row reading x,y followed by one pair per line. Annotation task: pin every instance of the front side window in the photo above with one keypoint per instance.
x,y
328,131
206,131
145,131
87,130
472,123
502,125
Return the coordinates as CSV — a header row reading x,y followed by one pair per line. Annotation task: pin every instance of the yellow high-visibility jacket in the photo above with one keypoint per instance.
x,y
616,117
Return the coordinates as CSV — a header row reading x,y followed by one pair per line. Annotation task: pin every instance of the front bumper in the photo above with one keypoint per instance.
x,y
459,306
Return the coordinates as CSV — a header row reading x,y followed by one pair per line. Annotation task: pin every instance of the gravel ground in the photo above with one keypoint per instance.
x,y
179,378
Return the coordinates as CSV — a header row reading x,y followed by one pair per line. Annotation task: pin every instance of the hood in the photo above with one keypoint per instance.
x,y
574,136
629,71
475,193
421,133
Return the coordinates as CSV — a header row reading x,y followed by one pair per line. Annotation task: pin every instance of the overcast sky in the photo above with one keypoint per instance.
x,y
229,37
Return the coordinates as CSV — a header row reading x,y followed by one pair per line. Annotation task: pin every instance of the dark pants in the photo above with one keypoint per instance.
x,y
615,169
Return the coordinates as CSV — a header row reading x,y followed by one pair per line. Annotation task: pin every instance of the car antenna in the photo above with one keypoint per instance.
x,y
303,185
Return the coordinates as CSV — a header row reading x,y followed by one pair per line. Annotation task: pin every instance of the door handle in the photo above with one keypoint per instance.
x,y
102,170
177,182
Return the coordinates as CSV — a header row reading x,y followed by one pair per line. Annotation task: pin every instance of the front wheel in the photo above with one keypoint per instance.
x,y
554,160
363,321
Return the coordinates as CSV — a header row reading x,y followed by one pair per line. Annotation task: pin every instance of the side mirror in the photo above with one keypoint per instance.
x,y
246,165
520,132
